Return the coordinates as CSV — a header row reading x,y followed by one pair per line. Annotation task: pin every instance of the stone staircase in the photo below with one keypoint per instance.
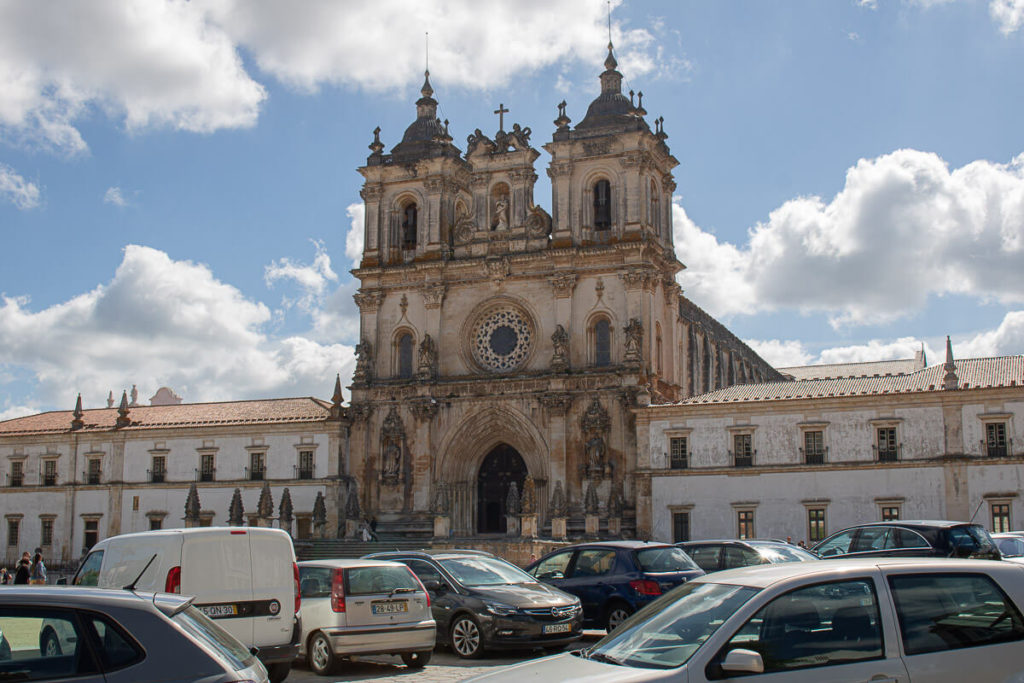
x,y
334,548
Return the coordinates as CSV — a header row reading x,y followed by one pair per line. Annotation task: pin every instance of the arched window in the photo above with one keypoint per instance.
x,y
405,356
602,343
603,205
655,209
409,220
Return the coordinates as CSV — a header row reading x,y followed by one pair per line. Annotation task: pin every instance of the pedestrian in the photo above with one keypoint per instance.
x,y
533,557
5,576
801,543
373,528
37,576
364,531
21,574
789,540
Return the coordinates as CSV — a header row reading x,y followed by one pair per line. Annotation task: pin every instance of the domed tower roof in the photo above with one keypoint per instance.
x,y
426,137
611,109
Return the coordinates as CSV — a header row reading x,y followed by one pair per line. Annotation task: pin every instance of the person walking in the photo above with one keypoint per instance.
x,y
37,576
5,576
21,574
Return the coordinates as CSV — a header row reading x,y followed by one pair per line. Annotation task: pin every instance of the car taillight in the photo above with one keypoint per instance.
x,y
422,587
645,587
173,582
298,592
338,591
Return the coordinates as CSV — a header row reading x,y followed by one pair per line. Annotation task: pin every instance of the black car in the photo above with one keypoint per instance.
x,y
713,556
910,539
613,579
481,602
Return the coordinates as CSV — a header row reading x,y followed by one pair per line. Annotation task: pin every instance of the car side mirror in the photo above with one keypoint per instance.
x,y
435,586
254,651
62,581
740,661
552,575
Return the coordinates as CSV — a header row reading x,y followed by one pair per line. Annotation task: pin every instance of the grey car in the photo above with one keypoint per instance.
x,y
94,635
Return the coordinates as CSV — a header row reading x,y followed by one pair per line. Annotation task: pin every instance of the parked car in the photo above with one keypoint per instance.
x,y
363,607
613,579
910,539
99,636
481,602
713,556
246,579
1011,546
884,619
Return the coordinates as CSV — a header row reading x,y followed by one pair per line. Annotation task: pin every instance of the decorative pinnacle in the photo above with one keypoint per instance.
x,y
78,408
609,62
426,90
337,398
376,146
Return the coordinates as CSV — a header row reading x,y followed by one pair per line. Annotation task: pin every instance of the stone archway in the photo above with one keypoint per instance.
x,y
501,468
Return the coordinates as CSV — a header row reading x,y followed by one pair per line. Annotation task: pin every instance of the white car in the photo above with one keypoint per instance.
x,y
883,619
361,607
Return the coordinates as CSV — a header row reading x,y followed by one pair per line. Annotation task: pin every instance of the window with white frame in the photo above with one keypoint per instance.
x,y
816,528
1001,521
743,449
678,455
890,512
46,531
995,439
49,477
17,476
257,465
305,464
886,445
13,531
745,523
814,447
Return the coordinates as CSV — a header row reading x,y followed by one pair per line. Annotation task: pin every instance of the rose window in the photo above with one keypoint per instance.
x,y
501,340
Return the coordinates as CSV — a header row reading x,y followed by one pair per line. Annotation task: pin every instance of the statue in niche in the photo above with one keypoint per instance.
x,y
391,462
427,358
560,343
500,214
595,455
364,357
634,339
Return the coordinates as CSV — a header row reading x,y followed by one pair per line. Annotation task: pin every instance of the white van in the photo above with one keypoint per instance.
x,y
245,578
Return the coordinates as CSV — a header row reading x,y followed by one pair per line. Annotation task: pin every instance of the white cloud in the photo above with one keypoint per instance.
x,y
162,322
1005,340
876,350
17,190
1009,14
354,237
11,412
903,228
780,353
114,196
312,279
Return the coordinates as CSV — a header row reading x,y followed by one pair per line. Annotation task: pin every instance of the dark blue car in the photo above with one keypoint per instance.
x,y
613,579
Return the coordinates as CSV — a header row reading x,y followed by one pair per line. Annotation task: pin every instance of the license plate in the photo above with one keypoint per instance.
x,y
557,628
390,607
216,611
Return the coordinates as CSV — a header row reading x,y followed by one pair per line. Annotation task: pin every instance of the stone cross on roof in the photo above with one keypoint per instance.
x,y
501,111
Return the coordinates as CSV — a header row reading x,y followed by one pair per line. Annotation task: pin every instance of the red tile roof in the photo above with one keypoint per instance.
x,y
263,411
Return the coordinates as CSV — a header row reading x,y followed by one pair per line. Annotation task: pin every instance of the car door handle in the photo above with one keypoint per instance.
x,y
882,678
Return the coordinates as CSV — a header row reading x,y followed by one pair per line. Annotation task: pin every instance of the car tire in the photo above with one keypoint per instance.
x,y
49,643
615,614
279,671
466,638
416,660
320,655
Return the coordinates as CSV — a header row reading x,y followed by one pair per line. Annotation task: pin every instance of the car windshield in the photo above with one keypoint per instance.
x,y
1010,546
665,559
203,629
776,553
485,571
666,633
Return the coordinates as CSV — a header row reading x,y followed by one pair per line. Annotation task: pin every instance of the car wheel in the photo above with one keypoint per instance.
x,y
320,655
467,641
416,660
617,613
49,643
279,671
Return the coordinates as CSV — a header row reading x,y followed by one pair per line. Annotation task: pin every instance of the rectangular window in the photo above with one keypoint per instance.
x,y
814,447
677,453
46,532
815,524
156,523
890,513
745,524
1000,518
743,451
305,464
256,466
17,473
92,474
995,439
888,451
92,532
13,527
207,471
159,471
50,473
680,527
303,527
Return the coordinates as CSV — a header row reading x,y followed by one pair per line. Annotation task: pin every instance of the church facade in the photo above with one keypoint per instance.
x,y
505,347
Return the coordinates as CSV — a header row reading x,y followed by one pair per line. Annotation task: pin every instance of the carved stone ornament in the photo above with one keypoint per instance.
x,y
236,512
192,504
441,504
634,340
558,506
518,139
424,408
635,278
591,504
352,510
360,412
364,363
615,500
563,285
595,420
371,193
285,512
426,367
595,424
498,269
392,444
265,506
560,347
476,139
368,302
597,147
319,509
433,294
556,402
538,222
528,501
512,500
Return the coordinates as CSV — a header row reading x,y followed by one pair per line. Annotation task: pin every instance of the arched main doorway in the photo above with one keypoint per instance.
x,y
502,466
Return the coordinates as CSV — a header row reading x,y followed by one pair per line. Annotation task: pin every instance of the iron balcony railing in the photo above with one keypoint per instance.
x,y
743,459
255,473
303,472
996,451
679,462
815,457
91,478
16,480
46,479
206,474
157,476
888,453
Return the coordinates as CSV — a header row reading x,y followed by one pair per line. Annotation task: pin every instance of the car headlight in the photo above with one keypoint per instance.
x,y
501,609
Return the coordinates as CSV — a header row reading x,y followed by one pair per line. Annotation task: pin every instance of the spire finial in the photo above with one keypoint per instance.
x,y
337,398
950,381
426,90
122,411
76,422
426,51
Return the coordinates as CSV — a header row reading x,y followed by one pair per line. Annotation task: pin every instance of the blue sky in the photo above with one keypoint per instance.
x,y
178,183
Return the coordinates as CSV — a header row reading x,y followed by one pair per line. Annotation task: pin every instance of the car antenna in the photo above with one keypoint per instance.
x,y
976,510
131,586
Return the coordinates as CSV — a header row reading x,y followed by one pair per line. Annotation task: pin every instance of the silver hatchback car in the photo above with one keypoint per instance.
x,y
95,635
361,607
